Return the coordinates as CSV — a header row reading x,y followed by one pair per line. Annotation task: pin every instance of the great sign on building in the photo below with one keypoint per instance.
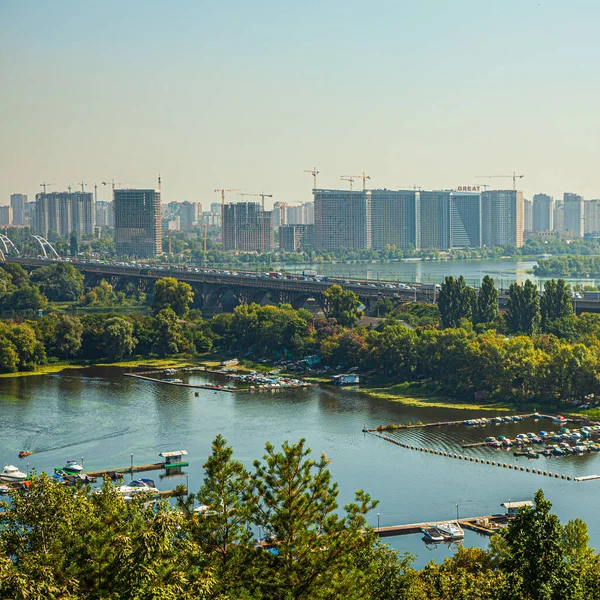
x,y
468,188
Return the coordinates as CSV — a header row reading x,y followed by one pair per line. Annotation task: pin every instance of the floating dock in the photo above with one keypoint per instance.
x,y
173,460
477,524
485,461
448,423
216,388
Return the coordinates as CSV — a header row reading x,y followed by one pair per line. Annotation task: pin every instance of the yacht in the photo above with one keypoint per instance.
x,y
11,474
137,486
431,534
72,468
451,530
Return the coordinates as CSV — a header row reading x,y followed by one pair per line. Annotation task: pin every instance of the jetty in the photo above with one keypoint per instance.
x,y
393,427
198,386
173,460
485,525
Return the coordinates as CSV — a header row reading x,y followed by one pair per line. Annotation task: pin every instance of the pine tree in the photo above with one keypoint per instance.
x,y
294,499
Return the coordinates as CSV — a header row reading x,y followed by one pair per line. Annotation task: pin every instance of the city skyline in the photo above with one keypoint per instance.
x,y
231,95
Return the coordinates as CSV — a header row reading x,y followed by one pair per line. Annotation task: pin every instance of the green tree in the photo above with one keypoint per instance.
x,y
168,334
68,336
523,315
117,338
555,302
73,246
221,530
486,310
342,305
173,294
59,282
456,301
535,559
294,500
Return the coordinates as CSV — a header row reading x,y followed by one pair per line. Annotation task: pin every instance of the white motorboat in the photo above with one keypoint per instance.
x,y
4,490
451,530
431,534
138,486
72,468
11,474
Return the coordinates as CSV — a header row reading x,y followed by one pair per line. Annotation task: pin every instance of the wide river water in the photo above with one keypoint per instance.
x,y
103,416
504,271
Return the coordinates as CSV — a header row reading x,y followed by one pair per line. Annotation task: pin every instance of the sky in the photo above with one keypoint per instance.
x,y
246,95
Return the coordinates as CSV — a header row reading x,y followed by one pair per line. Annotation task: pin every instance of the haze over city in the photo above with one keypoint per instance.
x,y
248,96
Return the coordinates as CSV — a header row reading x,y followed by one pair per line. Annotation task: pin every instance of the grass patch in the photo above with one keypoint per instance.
x,y
412,394
154,363
43,370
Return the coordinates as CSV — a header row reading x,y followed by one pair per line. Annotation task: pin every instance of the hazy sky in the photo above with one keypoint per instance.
x,y
246,95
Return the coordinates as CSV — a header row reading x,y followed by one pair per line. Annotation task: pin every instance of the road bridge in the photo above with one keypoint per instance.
x,y
213,289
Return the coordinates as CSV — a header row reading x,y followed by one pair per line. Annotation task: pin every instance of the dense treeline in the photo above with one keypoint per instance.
x,y
568,266
91,545
539,351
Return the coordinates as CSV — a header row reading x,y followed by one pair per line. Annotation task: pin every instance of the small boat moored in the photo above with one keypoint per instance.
x,y
11,474
431,534
451,530
72,468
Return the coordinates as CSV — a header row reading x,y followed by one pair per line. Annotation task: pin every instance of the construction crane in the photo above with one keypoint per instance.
x,y
514,177
83,187
351,178
223,190
45,184
262,217
314,173
364,177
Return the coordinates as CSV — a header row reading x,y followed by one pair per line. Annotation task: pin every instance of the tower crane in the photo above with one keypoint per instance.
x,y
364,177
223,190
351,178
314,173
262,216
514,178
45,184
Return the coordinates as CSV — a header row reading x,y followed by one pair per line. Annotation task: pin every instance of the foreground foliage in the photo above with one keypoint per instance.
x,y
57,544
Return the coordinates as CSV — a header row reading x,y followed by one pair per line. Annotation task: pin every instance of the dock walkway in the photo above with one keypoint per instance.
x,y
207,386
472,523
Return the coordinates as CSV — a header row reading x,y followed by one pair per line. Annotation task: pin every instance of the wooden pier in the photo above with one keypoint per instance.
x,y
207,386
476,524
130,469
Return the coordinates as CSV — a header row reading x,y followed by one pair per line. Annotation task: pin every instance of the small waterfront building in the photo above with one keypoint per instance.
x,y
512,508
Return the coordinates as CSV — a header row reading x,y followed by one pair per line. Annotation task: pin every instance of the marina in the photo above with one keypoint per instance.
x,y
99,414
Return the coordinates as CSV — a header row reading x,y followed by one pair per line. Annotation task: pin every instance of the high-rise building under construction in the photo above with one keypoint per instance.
x,y
138,229
246,228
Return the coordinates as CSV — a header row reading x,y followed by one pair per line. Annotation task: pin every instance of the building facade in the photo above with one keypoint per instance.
x,y
465,220
502,218
592,216
138,222
342,219
434,215
17,203
574,214
395,219
527,215
542,213
83,213
64,213
6,215
293,237
105,216
246,228
190,215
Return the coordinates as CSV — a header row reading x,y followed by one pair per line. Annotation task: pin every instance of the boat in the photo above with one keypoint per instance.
x,y
72,468
24,453
11,474
432,534
137,486
4,490
451,530
559,419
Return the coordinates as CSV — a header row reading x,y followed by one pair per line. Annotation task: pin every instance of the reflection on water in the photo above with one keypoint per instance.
x,y
104,417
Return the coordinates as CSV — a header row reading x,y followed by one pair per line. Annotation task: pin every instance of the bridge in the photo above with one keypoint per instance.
x,y
215,290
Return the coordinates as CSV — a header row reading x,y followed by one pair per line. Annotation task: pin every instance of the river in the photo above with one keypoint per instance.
x,y
101,415
504,271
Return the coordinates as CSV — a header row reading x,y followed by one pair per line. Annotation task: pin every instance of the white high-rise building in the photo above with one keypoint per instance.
x,y
543,213
574,214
